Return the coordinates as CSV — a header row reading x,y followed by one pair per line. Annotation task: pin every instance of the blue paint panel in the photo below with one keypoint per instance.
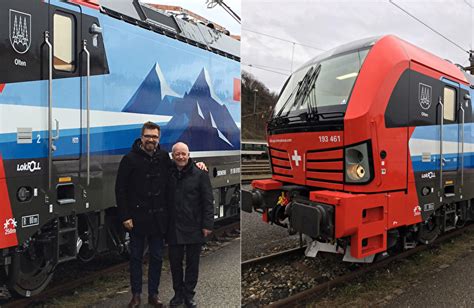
x,y
132,53
450,132
452,162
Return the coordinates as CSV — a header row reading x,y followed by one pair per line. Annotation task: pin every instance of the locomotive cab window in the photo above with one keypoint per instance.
x,y
322,86
63,51
449,104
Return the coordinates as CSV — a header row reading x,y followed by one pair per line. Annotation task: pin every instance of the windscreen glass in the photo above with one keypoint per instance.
x,y
322,84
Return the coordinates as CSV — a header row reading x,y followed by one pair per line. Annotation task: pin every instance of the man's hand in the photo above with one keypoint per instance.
x,y
206,232
128,224
201,165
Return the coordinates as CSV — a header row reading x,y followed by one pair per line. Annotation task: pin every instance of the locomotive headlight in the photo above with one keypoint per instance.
x,y
357,164
355,172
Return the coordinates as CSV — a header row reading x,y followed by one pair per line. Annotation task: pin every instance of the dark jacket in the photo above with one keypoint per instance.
x,y
193,208
142,190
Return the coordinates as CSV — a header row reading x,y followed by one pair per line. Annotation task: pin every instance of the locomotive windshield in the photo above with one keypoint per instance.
x,y
322,87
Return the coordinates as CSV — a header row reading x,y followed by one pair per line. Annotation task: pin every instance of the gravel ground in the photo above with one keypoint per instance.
x,y
218,286
266,283
260,238
438,277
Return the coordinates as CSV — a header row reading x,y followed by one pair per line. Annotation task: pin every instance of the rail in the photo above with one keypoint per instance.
x,y
255,169
315,292
71,285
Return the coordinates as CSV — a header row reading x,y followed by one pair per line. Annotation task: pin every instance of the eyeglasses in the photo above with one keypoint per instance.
x,y
154,137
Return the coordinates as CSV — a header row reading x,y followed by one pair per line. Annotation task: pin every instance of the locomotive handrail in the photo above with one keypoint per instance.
x,y
88,71
50,106
462,148
440,103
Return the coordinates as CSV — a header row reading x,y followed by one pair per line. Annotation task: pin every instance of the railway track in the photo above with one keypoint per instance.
x,y
255,169
222,232
274,261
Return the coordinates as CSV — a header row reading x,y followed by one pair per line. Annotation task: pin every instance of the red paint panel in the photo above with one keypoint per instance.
x,y
324,185
334,154
287,179
328,165
93,4
280,162
279,154
236,89
8,223
2,86
268,184
288,172
330,176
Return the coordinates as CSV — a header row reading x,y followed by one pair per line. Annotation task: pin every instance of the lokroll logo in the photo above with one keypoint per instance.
x,y
424,96
20,31
428,175
31,166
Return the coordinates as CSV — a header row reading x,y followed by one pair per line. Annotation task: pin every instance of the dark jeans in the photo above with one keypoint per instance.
x,y
137,246
185,287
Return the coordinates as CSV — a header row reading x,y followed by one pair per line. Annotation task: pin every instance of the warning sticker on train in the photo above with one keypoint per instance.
x,y
20,31
10,226
29,221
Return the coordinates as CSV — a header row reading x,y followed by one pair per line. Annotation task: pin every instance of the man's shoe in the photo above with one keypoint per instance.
x,y
154,301
135,302
177,300
190,303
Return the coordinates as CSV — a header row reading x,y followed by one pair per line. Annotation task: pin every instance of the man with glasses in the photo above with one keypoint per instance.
x,y
142,198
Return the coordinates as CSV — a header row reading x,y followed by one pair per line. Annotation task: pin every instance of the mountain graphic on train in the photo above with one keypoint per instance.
x,y
77,82
197,112
371,150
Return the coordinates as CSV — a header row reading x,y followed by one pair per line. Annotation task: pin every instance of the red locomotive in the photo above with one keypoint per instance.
x,y
371,148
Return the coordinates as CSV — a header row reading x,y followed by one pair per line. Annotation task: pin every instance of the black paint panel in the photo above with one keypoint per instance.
x,y
33,64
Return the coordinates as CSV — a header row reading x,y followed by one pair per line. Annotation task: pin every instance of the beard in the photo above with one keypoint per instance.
x,y
150,146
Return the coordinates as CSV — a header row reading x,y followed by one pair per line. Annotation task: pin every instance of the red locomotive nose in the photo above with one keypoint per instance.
x,y
367,139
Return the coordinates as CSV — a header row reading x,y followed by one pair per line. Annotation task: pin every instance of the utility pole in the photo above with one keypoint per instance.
x,y
471,60
255,91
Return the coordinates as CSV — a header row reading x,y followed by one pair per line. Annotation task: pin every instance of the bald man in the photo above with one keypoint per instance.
x,y
192,221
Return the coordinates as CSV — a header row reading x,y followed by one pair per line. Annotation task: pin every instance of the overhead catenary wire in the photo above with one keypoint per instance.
x,y
282,39
269,67
264,69
426,25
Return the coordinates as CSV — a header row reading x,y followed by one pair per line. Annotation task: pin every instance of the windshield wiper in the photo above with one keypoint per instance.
x,y
301,90
313,106
308,85
288,99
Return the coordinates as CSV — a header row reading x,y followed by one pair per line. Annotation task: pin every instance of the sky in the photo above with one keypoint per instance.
x,y
216,14
278,36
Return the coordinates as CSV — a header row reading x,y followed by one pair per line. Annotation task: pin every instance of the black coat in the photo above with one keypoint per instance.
x,y
142,190
193,208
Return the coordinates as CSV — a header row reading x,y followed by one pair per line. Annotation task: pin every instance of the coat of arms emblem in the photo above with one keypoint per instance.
x,y
424,96
20,31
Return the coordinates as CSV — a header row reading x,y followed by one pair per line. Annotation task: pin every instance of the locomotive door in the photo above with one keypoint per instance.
x,y
449,119
65,119
65,100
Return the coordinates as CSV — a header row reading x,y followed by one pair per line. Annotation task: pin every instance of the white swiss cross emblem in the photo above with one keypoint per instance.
x,y
296,158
